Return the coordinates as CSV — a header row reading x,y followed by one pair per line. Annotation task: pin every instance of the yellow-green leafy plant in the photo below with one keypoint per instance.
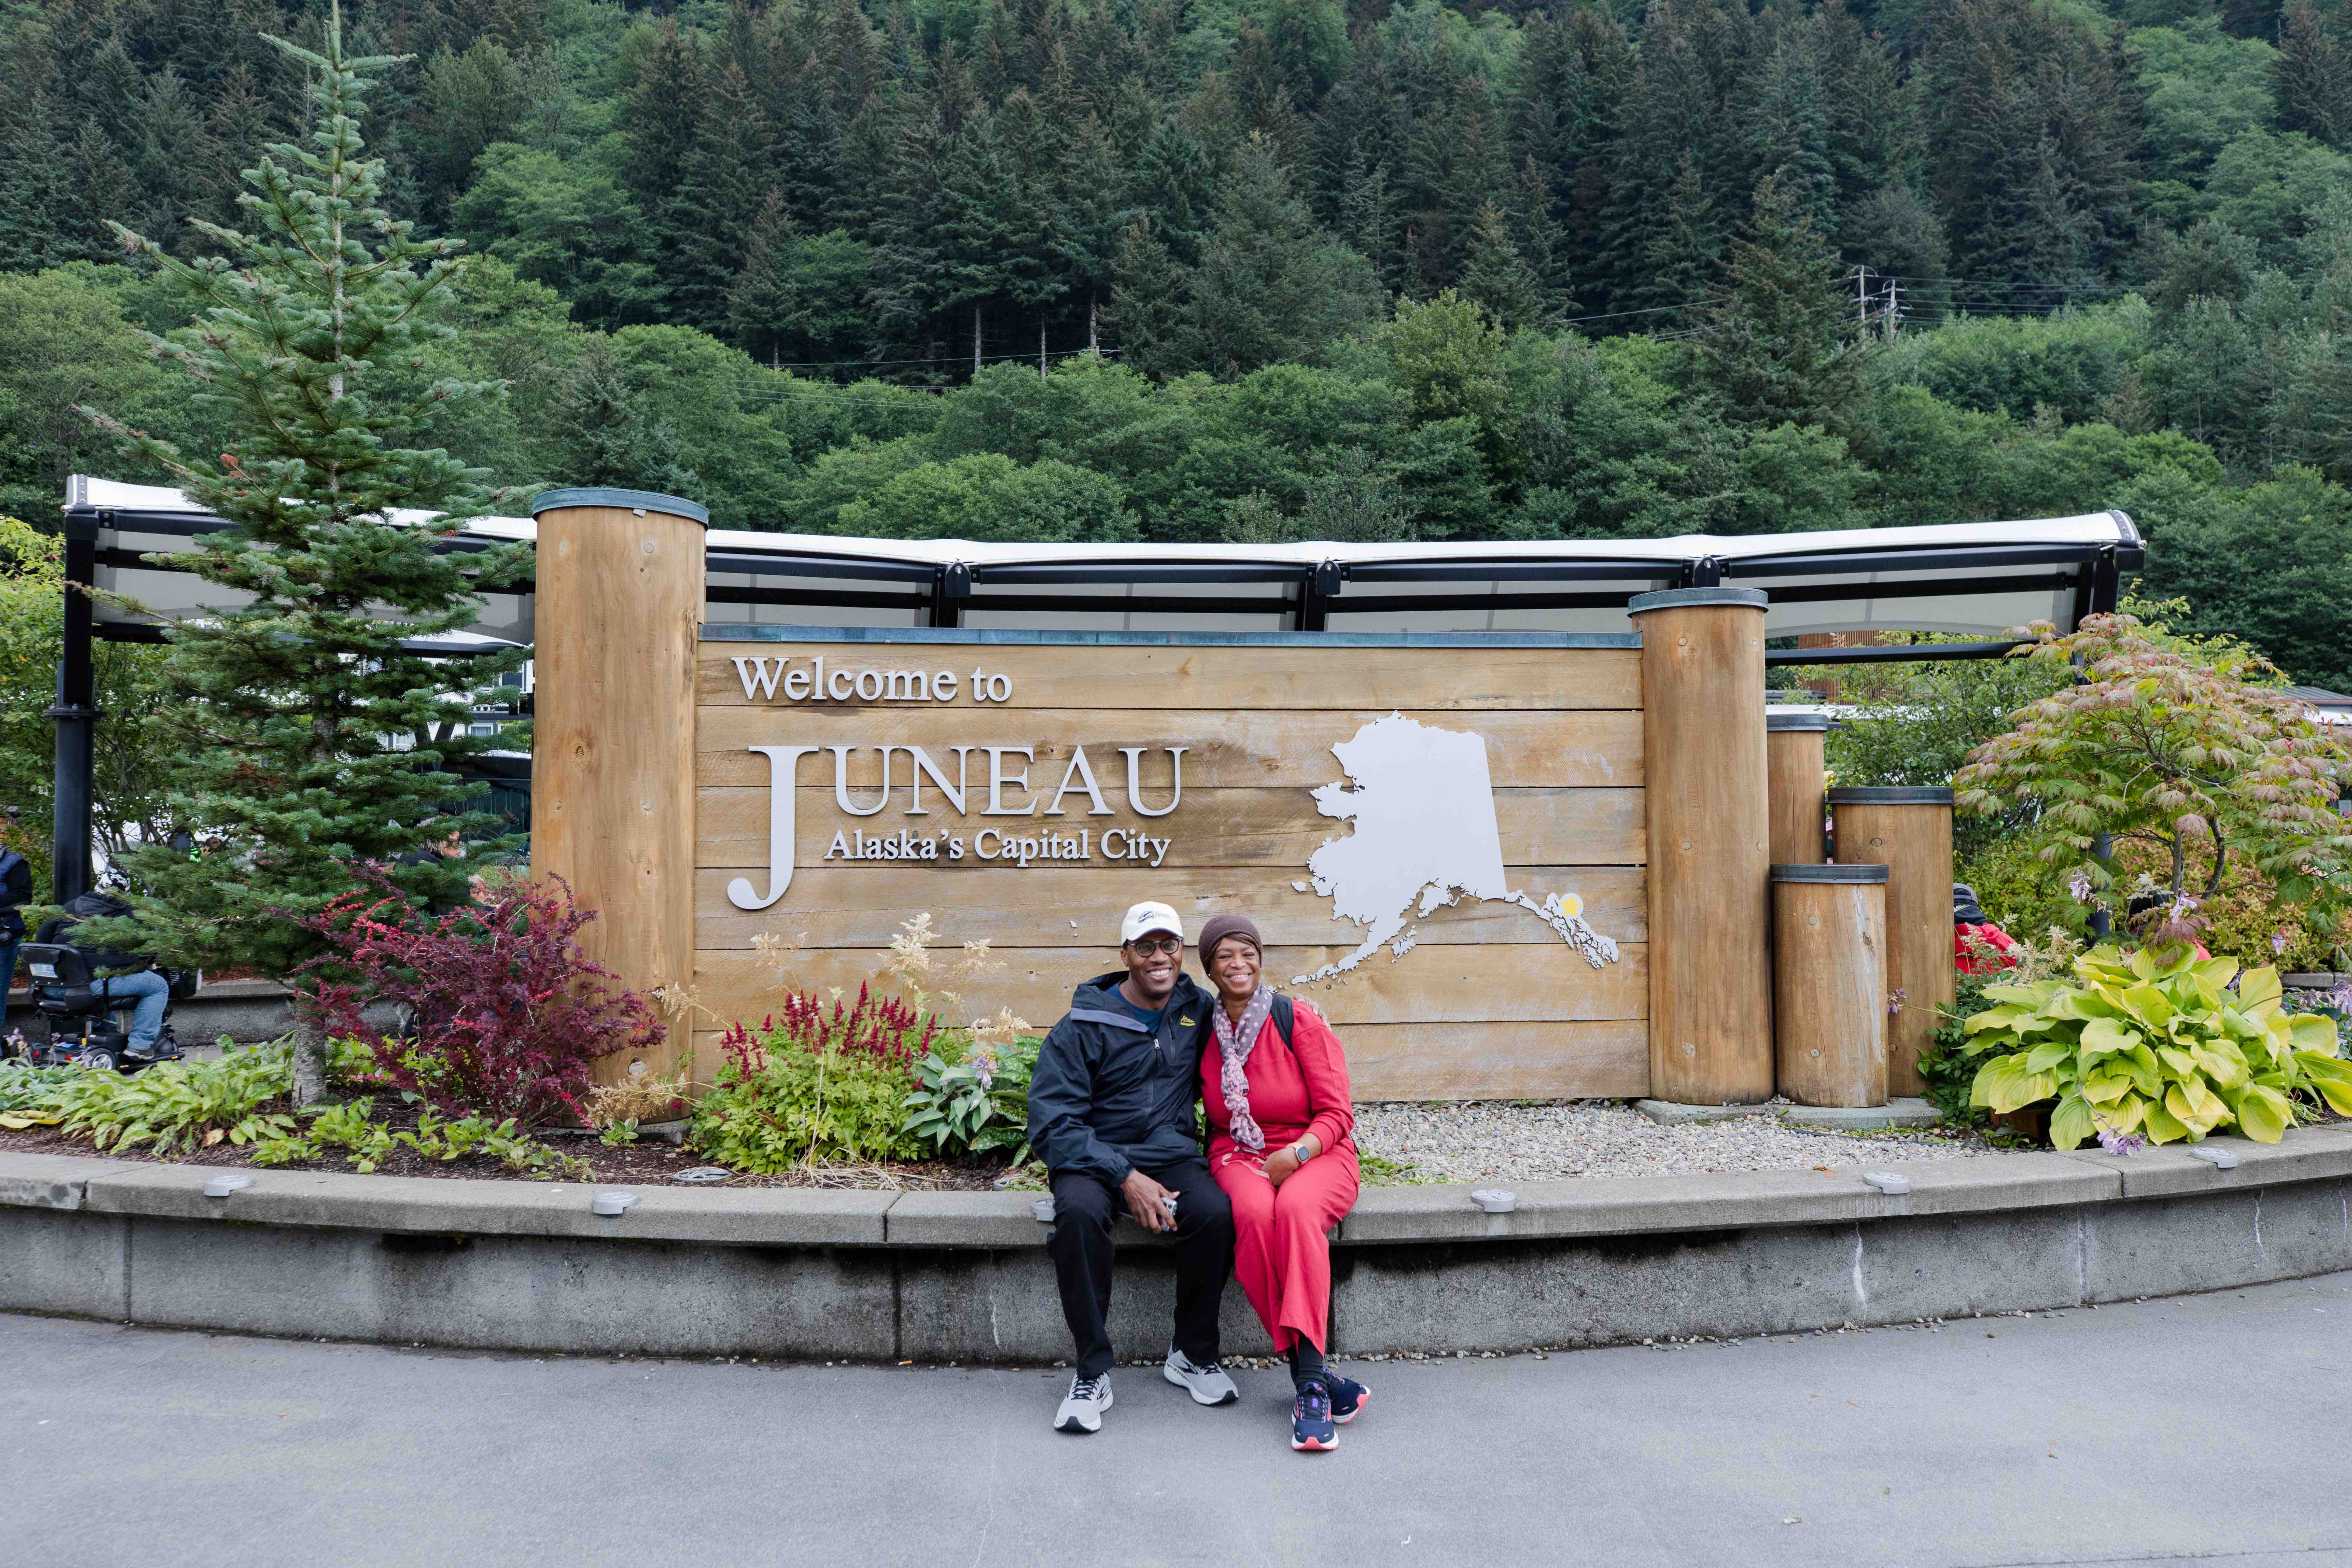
x,y
180,1107
2157,1045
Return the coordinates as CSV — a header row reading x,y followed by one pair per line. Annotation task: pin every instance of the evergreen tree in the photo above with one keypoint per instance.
x,y
724,183
1683,261
1780,346
2313,76
601,426
1270,285
301,706
1150,295
1498,277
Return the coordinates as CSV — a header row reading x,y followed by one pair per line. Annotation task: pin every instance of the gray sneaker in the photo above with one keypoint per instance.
x,y
1083,1407
1209,1383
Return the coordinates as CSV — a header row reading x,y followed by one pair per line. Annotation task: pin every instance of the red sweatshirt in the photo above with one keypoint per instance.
x,y
1293,1089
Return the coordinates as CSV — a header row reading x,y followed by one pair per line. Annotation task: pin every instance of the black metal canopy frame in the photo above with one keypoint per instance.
x,y
1956,578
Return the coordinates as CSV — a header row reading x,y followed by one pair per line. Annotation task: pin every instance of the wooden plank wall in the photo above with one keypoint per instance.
x,y
1490,1005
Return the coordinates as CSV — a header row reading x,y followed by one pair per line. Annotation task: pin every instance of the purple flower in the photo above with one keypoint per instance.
x,y
1895,1001
2079,885
2278,941
2116,1142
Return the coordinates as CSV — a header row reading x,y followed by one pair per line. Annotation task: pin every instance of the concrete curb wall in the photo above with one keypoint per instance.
x,y
963,1276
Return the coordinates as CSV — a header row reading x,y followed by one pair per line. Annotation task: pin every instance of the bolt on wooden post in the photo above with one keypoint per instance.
x,y
1909,832
1703,769
618,615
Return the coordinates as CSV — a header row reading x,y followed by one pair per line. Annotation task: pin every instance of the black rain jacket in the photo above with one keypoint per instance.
x,y
1106,1097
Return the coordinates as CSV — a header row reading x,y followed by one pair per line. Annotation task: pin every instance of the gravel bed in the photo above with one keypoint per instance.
x,y
1482,1142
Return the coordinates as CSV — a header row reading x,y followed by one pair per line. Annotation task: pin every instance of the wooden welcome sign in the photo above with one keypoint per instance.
x,y
1443,842
1447,840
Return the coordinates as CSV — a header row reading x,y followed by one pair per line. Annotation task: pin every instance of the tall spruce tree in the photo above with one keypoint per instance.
x,y
2313,76
305,716
1780,346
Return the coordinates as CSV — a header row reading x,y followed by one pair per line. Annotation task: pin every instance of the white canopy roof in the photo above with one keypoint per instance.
x,y
1978,577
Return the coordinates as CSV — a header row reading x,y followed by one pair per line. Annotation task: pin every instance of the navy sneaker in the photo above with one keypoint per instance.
x,y
1348,1398
1311,1430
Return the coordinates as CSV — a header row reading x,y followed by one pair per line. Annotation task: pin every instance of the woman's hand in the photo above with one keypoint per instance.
x,y
1284,1163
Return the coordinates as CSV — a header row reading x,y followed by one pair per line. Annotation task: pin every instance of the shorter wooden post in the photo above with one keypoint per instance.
x,y
1828,984
619,612
1909,832
1795,772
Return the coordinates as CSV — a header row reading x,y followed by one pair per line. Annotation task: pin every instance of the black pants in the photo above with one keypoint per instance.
x,y
1084,1207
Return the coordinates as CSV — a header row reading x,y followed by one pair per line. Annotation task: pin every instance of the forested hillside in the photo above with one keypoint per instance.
x,y
1299,268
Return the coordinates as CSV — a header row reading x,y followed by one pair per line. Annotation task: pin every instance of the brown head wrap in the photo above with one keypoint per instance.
x,y
1219,927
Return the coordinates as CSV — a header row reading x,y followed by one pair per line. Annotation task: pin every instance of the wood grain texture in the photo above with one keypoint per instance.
x,y
1278,829
1261,750
1217,678
855,906
1828,992
1608,1060
1710,818
1795,780
1488,983
619,612
1914,844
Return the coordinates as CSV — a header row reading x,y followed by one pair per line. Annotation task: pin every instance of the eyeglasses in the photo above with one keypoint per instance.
x,y
1148,946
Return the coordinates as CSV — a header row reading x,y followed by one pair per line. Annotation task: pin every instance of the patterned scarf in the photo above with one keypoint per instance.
x,y
1233,1043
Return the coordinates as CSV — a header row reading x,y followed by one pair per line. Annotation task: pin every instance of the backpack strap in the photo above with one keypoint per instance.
x,y
1284,1014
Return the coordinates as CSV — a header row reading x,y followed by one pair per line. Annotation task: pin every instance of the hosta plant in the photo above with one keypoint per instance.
x,y
980,1101
2156,1044
183,1106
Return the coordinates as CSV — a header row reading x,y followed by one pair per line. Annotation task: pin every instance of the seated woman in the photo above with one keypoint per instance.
x,y
1274,1082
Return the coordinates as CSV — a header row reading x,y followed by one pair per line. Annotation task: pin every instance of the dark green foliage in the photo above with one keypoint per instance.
x,y
2120,258
304,716
1781,346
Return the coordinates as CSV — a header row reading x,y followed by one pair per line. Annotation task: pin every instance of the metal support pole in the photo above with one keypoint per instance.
x,y
77,716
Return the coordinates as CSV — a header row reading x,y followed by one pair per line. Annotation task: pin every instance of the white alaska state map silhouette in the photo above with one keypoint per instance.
x,y
1422,803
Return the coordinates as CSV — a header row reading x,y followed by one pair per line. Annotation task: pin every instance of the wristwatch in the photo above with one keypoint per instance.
x,y
1301,1152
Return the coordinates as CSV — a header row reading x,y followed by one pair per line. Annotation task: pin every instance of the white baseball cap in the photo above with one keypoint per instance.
x,y
1149,916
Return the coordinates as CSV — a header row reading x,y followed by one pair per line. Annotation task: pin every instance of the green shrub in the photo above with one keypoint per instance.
x,y
977,1102
2154,1044
180,1106
817,1085
366,1142
28,1094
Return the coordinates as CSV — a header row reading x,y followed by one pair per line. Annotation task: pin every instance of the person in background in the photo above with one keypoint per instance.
x,y
1274,1082
16,892
1111,1113
122,973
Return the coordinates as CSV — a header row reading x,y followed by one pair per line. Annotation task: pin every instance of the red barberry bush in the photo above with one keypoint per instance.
x,y
496,1010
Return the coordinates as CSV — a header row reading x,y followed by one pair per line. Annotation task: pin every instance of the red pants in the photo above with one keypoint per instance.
x,y
1282,1248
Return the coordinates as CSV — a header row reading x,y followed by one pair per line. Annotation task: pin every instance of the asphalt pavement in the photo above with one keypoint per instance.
x,y
2206,1428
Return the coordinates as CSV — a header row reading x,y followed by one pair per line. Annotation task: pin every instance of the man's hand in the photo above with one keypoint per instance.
x,y
1152,1205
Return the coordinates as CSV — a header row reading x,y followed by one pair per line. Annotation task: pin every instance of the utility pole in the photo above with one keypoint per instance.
x,y
1861,298
1894,308
1041,346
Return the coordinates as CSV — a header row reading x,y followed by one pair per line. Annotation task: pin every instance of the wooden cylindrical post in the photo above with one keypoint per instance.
x,y
1704,773
619,608
1792,756
1909,832
1828,983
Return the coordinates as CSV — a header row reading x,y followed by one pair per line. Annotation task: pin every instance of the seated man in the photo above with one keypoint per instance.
x,y
1110,1112
125,973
